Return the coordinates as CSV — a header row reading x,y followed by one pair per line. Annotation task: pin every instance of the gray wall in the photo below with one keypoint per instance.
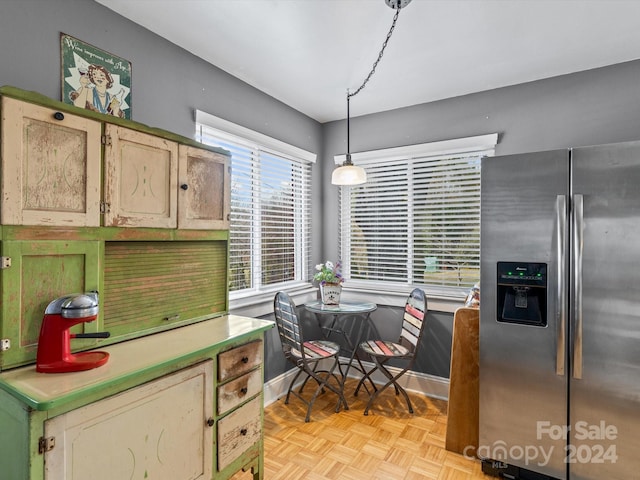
x,y
588,108
598,106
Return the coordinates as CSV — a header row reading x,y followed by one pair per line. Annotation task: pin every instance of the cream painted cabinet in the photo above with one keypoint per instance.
x,y
141,178
50,166
162,429
52,162
151,181
205,191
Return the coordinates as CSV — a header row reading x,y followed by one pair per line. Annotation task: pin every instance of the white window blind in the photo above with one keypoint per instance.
x,y
270,213
416,222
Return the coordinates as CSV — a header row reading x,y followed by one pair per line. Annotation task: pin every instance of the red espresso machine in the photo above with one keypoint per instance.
x,y
54,344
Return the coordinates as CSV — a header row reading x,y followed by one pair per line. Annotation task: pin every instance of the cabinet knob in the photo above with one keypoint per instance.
x,y
245,359
243,432
210,421
244,390
184,186
58,116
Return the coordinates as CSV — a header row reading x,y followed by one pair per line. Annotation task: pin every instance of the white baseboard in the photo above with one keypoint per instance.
x,y
419,383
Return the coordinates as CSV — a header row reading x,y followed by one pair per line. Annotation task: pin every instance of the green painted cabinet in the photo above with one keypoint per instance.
x,y
36,272
72,180
153,413
95,202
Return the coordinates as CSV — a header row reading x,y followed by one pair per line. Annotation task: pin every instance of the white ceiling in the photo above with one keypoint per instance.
x,y
307,53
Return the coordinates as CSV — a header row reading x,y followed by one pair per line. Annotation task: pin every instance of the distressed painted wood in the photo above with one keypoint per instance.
x,y
11,232
29,399
167,269
157,430
238,431
205,191
41,272
233,393
141,177
158,285
238,361
50,166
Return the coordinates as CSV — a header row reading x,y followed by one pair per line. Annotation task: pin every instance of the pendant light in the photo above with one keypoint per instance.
x,y
348,173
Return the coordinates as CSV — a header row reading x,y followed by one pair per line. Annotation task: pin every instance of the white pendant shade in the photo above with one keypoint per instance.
x,y
349,175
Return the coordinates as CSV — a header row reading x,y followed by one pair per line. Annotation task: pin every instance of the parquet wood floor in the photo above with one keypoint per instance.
x,y
388,444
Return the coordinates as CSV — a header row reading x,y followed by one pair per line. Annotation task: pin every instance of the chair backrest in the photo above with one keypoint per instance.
x,y
414,320
287,323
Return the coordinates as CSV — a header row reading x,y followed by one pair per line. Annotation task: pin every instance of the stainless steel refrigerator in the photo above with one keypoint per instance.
x,y
560,314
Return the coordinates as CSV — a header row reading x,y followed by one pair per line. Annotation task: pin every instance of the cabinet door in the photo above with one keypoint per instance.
x,y
141,176
50,167
158,430
40,272
204,194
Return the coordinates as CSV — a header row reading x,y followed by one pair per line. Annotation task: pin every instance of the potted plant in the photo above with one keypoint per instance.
x,y
330,280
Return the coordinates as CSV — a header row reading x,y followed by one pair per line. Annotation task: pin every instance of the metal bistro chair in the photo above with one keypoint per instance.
x,y
306,354
382,351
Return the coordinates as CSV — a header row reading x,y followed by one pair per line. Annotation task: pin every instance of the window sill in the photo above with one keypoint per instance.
x,y
435,302
261,304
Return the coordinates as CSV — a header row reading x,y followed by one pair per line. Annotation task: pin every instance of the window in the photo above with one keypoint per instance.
x,y
416,222
270,207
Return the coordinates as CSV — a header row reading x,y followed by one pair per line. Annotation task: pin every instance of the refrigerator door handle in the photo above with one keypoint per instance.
x,y
561,314
578,238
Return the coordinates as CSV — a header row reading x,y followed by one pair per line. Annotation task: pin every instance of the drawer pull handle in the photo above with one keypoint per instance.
x,y
210,421
184,186
58,116
244,390
245,359
243,432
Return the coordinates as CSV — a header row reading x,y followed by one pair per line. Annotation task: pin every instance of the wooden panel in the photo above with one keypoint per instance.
x,y
204,193
463,415
50,167
141,175
240,360
40,272
233,393
156,430
238,431
153,285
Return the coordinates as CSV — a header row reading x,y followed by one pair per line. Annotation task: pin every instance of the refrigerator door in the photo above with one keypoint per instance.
x,y
523,384
605,305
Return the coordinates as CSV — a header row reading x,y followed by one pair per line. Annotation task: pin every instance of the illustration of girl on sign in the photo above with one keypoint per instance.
x,y
97,98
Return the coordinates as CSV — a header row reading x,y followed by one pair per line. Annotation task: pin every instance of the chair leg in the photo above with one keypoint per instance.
x,y
322,383
366,376
393,380
292,383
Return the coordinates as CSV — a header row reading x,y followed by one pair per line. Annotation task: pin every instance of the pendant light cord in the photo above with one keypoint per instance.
x,y
366,80
375,64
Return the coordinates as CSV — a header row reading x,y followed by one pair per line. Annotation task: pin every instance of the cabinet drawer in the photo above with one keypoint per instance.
x,y
232,394
239,360
238,431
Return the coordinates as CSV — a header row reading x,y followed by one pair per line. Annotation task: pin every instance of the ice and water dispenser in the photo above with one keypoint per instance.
x,y
522,293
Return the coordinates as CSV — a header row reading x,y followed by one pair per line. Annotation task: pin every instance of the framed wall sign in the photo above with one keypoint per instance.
x,y
94,79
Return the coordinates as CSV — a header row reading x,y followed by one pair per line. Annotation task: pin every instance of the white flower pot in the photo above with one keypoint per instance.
x,y
330,293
